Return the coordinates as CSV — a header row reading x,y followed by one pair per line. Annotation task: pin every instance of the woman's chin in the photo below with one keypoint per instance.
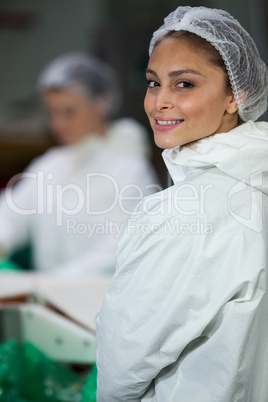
x,y
163,142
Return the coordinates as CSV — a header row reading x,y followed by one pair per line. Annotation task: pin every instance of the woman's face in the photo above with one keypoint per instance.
x,y
72,116
186,97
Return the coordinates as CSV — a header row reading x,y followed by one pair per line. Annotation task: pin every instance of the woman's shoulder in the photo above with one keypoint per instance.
x,y
202,204
207,214
196,195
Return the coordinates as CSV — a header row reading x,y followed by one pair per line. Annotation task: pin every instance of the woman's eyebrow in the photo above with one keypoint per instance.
x,y
149,71
185,71
175,73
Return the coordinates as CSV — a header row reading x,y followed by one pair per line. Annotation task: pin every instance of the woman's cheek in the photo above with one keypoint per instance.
x,y
191,107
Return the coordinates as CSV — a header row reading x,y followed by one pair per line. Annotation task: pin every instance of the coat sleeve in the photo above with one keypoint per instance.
x,y
169,290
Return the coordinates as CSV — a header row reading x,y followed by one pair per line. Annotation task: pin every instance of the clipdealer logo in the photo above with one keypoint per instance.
x,y
63,200
186,199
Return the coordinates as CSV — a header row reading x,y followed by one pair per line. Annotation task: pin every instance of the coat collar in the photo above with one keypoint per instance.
x,y
241,153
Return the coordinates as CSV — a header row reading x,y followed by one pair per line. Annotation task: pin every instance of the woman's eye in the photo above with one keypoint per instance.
x,y
152,84
185,84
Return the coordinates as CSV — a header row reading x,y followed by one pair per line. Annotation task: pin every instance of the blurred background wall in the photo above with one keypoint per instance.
x,y
32,32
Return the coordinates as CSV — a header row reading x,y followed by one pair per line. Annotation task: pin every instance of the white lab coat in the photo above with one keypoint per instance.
x,y
185,318
75,201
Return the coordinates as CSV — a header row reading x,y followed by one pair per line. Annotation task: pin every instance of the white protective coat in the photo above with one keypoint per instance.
x,y
71,205
185,318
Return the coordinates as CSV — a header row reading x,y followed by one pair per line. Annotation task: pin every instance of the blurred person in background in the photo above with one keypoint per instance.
x,y
72,204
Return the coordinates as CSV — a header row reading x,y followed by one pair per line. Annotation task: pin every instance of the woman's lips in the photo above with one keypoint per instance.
x,y
166,125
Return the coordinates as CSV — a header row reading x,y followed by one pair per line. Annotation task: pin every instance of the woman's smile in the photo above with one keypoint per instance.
x,y
166,124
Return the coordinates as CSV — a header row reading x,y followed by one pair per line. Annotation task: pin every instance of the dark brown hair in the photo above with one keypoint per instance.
x,y
196,41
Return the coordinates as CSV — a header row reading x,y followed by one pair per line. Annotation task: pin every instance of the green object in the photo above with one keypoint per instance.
x,y
20,259
9,265
90,388
26,375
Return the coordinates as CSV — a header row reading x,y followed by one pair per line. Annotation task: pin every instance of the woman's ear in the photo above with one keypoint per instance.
x,y
232,105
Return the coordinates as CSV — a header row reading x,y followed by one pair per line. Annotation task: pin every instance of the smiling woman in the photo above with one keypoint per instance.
x,y
185,317
186,98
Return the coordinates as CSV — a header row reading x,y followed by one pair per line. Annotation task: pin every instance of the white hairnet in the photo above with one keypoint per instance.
x,y
246,70
87,73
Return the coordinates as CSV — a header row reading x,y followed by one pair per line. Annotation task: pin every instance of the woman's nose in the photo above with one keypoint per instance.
x,y
163,100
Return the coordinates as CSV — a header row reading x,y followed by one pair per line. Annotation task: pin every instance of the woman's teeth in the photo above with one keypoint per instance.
x,y
168,122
